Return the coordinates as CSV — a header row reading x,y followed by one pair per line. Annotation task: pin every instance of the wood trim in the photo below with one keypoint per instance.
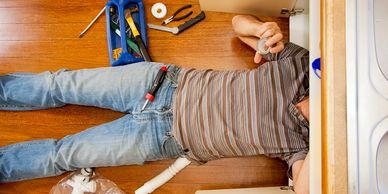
x,y
333,58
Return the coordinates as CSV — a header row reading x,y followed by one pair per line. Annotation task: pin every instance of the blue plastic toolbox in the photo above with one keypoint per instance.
x,y
121,48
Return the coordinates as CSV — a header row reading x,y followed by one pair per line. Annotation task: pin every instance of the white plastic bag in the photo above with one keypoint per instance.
x,y
85,181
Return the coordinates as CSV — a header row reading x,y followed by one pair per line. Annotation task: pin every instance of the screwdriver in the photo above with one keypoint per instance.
x,y
150,96
92,22
136,34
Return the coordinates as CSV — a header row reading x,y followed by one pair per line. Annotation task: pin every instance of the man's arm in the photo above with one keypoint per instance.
x,y
300,174
300,169
246,25
249,29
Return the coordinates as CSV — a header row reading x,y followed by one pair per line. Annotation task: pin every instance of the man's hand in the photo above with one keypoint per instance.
x,y
250,30
272,31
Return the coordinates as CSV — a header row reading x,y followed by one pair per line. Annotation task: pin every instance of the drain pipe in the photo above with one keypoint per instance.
x,y
163,177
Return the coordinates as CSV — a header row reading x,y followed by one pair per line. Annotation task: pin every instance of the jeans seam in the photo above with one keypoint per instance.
x,y
16,106
18,75
8,147
51,83
120,91
164,114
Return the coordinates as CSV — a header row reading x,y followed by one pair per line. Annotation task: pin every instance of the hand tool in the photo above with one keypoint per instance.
x,y
182,27
137,36
114,18
95,19
118,10
150,96
130,43
92,22
159,10
174,16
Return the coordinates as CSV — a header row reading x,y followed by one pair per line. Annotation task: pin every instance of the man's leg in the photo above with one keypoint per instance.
x,y
117,88
133,139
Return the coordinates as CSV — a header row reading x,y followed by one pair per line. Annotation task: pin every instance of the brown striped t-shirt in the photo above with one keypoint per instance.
x,y
221,114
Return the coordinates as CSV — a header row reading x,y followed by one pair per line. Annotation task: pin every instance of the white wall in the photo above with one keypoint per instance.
x,y
315,101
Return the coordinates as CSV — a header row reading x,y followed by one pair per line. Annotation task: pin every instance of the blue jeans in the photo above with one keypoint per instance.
x,y
133,139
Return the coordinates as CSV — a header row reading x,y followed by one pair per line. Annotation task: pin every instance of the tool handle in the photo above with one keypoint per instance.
x,y
130,43
157,82
192,21
143,49
92,22
135,32
132,25
181,9
182,17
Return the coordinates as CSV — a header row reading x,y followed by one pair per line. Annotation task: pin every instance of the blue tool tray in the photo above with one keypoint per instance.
x,y
115,41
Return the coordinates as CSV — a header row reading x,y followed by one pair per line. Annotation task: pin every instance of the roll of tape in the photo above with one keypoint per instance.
x,y
261,47
159,10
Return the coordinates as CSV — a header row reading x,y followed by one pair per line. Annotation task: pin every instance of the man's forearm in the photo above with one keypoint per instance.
x,y
300,172
246,25
249,40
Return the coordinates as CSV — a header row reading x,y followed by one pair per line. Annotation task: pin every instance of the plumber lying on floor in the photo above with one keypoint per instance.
x,y
200,114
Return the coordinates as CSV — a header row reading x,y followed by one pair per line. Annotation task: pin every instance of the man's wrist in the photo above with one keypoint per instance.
x,y
255,29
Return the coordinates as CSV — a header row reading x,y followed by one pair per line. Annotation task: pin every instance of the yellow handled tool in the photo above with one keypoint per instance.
x,y
137,36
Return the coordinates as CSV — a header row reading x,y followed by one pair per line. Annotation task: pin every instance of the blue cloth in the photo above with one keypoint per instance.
x,y
133,139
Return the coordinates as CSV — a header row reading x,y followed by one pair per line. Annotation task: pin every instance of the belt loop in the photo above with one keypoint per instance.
x,y
172,74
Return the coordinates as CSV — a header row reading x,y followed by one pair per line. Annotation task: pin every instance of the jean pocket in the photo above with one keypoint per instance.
x,y
170,147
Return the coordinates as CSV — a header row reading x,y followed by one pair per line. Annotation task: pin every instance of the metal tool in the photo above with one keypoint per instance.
x,y
173,30
150,96
137,36
182,27
174,15
92,22
95,19
130,43
116,19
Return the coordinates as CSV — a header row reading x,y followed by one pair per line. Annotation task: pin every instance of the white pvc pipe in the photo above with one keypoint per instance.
x,y
163,177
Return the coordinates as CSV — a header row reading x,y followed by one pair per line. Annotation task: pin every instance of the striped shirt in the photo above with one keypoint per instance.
x,y
221,114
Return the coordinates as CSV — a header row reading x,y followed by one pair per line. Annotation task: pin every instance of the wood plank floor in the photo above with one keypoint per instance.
x,y
39,35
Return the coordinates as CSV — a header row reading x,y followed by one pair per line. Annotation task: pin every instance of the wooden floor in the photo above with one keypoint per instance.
x,y
38,35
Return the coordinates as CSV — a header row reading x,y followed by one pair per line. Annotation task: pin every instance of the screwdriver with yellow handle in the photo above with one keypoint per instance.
x,y
137,36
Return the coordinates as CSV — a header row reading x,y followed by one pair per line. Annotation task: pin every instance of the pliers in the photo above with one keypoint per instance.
x,y
174,18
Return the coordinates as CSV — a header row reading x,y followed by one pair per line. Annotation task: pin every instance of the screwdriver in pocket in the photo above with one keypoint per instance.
x,y
150,96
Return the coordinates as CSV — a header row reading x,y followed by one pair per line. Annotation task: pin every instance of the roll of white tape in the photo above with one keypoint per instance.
x,y
159,10
261,47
